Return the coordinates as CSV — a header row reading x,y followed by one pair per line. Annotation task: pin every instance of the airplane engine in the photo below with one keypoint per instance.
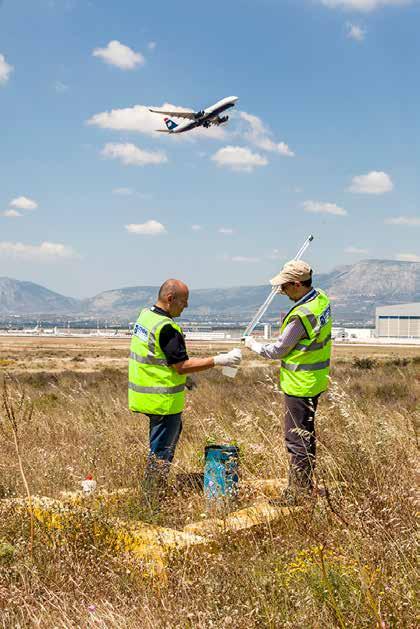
x,y
223,119
199,114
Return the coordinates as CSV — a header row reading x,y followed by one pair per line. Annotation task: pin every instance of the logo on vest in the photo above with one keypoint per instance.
x,y
141,332
325,316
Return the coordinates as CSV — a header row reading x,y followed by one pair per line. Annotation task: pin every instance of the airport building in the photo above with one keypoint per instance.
x,y
399,321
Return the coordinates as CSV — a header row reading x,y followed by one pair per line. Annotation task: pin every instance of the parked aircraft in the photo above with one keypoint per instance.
x,y
204,118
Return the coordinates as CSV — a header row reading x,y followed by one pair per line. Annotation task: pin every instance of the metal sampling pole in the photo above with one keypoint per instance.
x,y
264,307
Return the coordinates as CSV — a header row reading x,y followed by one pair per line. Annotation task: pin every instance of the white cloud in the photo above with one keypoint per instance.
x,y
149,228
259,135
356,250
375,182
123,191
244,259
137,118
363,5
151,45
23,203
407,257
12,213
226,231
132,155
196,228
403,220
355,32
117,54
5,70
44,251
141,120
318,207
238,158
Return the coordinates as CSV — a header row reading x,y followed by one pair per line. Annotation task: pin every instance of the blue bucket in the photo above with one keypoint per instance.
x,y
221,471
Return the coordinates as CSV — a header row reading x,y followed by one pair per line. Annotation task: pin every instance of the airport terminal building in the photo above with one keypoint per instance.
x,y
399,321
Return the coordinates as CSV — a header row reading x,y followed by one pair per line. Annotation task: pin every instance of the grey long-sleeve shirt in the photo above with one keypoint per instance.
x,y
292,334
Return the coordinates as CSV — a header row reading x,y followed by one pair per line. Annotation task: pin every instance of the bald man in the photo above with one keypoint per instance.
x,y
158,369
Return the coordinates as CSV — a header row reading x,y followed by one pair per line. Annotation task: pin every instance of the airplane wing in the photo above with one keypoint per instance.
x,y
189,115
163,131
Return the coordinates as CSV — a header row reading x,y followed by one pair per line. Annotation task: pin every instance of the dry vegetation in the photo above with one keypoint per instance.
x,y
347,561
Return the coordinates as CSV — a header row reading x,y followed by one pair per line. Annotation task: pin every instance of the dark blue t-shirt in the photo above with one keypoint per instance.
x,y
171,341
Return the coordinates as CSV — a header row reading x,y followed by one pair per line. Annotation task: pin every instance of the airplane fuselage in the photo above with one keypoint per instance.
x,y
208,116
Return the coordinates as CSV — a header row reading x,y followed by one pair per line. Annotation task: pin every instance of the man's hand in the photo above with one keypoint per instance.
x,y
252,344
231,359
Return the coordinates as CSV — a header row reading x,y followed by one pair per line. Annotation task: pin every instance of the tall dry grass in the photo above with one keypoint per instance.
x,y
346,561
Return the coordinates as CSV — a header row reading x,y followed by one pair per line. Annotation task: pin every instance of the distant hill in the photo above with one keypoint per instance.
x,y
354,289
236,302
30,299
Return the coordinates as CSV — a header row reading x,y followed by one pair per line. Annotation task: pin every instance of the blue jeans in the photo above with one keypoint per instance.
x,y
164,432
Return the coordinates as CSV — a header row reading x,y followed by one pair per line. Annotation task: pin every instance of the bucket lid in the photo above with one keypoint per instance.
x,y
222,447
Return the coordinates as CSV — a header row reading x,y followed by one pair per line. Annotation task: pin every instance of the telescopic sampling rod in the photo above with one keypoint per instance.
x,y
262,310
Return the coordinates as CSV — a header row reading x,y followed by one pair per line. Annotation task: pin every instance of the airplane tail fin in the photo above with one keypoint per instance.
x,y
171,125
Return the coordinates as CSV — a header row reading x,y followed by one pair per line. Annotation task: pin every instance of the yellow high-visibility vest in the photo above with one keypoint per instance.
x,y
154,387
304,372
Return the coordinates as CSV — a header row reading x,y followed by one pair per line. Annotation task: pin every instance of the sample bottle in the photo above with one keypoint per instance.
x,y
231,372
88,484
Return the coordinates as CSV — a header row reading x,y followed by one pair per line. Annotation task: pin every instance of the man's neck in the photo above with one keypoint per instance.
x,y
303,294
162,306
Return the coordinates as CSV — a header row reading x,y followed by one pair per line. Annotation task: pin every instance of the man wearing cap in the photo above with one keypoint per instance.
x,y
304,347
157,378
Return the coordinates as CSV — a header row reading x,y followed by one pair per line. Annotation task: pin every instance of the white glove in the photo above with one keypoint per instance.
x,y
231,359
252,344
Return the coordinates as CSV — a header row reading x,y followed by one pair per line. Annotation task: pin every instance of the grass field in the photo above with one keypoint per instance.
x,y
349,561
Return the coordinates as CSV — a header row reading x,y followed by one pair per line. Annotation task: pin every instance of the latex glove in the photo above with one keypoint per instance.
x,y
252,344
231,359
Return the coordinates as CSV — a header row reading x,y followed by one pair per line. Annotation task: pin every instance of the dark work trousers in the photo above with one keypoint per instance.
x,y
164,432
300,438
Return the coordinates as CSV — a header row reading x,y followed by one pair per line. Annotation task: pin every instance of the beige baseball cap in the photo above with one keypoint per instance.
x,y
293,271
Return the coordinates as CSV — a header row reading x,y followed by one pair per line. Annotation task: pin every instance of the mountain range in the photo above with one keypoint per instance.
x,y
354,290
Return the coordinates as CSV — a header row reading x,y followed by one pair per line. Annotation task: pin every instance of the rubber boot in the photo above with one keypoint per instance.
x,y
298,490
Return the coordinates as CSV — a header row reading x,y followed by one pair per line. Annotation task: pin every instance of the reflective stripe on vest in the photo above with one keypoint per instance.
x,y
310,317
158,390
313,346
148,360
152,335
305,367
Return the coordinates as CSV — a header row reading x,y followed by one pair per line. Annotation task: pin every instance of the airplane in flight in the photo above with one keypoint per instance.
x,y
204,118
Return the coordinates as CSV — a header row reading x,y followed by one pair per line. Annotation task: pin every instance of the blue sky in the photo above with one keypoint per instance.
x,y
324,139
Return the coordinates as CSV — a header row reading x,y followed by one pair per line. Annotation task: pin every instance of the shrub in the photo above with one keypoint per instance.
x,y
364,363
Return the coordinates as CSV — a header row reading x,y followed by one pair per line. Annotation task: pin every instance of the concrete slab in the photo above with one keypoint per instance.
x,y
261,512
149,544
